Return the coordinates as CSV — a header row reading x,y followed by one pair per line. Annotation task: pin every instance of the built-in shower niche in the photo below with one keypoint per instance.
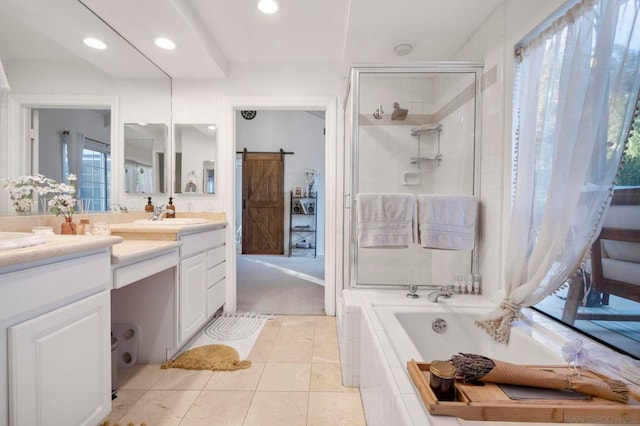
x,y
431,151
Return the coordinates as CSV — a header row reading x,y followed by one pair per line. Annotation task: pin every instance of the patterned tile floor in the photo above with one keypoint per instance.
x,y
294,380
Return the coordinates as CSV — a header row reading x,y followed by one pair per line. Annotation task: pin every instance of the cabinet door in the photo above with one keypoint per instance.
x,y
59,364
193,295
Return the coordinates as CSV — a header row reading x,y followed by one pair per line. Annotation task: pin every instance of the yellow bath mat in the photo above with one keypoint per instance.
x,y
209,357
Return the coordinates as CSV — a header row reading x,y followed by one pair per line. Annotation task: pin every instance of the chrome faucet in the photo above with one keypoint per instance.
x,y
443,292
119,208
159,211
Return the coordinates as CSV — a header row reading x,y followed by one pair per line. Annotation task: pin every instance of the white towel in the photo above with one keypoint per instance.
x,y
447,222
385,220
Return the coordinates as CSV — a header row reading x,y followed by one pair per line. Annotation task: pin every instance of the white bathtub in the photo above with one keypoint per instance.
x,y
410,328
379,331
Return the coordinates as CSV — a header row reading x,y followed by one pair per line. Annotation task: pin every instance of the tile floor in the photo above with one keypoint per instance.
x,y
294,380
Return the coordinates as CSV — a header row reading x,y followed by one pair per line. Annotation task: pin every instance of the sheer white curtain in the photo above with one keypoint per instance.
x,y
575,95
75,147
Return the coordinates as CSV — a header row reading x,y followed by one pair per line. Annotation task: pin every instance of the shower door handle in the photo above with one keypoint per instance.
x,y
347,201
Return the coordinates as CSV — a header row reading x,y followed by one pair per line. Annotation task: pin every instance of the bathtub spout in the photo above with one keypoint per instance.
x,y
443,292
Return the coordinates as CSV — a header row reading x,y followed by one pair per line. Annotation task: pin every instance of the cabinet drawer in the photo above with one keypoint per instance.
x,y
195,243
216,296
215,274
216,256
55,284
132,273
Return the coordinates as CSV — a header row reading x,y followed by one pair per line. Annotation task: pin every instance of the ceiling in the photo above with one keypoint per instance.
x,y
212,35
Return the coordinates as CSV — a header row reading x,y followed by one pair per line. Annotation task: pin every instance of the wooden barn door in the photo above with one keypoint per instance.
x,y
262,203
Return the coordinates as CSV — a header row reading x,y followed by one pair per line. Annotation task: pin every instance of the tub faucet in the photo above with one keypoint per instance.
x,y
443,292
159,211
412,291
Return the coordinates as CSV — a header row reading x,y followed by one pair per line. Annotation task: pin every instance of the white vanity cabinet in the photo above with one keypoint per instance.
x,y
201,277
55,321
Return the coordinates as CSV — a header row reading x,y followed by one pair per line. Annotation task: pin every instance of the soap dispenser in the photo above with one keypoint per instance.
x,y
171,209
149,206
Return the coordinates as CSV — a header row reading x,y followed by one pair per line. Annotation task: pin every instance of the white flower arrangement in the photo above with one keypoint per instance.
x,y
311,176
23,188
63,203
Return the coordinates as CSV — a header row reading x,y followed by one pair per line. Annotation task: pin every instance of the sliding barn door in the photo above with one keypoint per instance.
x,y
262,203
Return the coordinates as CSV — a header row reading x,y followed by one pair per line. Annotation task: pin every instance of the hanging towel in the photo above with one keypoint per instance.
x,y
447,222
385,220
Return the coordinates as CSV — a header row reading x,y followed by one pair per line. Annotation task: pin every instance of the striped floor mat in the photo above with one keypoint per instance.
x,y
236,326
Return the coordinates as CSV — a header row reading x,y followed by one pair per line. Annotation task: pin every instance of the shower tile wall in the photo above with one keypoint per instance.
x,y
385,151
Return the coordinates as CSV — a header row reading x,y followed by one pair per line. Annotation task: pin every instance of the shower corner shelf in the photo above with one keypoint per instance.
x,y
427,129
420,160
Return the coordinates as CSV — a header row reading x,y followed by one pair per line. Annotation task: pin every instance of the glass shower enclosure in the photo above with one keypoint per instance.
x,y
410,129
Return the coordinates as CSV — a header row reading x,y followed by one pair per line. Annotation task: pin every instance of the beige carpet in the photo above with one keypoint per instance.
x,y
286,286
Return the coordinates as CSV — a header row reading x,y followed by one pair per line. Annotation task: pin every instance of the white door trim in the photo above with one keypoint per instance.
x,y
328,104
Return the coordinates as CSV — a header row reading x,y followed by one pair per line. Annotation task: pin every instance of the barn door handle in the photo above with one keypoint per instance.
x,y
244,203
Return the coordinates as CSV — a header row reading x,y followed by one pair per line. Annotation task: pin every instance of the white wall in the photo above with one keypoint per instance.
x,y
203,101
293,131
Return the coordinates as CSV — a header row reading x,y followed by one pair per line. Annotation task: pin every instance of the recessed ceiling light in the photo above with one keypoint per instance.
x,y
268,6
95,43
142,124
403,48
212,127
164,43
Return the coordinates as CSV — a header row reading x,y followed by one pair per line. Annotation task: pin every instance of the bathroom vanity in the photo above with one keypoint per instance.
x,y
199,279
59,299
54,326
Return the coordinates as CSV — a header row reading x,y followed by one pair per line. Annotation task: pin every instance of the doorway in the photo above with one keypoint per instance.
x,y
273,282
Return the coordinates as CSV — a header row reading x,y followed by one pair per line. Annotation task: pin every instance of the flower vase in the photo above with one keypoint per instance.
x,y
22,211
68,227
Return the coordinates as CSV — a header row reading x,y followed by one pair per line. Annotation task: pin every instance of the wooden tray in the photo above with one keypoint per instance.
x,y
489,402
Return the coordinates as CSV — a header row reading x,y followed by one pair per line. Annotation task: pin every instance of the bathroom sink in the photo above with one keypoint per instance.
x,y
172,222
14,240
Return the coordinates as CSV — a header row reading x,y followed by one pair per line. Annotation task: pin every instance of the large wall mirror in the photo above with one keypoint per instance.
x,y
195,158
78,98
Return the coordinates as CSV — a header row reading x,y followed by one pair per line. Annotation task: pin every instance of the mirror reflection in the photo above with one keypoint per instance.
x,y
71,92
195,158
144,153
80,141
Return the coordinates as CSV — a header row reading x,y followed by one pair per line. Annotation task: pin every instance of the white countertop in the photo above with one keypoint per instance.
x,y
130,251
56,246
163,232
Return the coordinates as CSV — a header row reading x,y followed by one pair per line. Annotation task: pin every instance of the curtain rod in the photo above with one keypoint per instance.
x,y
97,141
548,22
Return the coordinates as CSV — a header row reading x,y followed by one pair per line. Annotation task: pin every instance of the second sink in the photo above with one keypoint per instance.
x,y
172,222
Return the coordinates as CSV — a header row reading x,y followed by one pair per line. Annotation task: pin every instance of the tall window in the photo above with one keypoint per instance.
x,y
95,180
598,53
95,175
